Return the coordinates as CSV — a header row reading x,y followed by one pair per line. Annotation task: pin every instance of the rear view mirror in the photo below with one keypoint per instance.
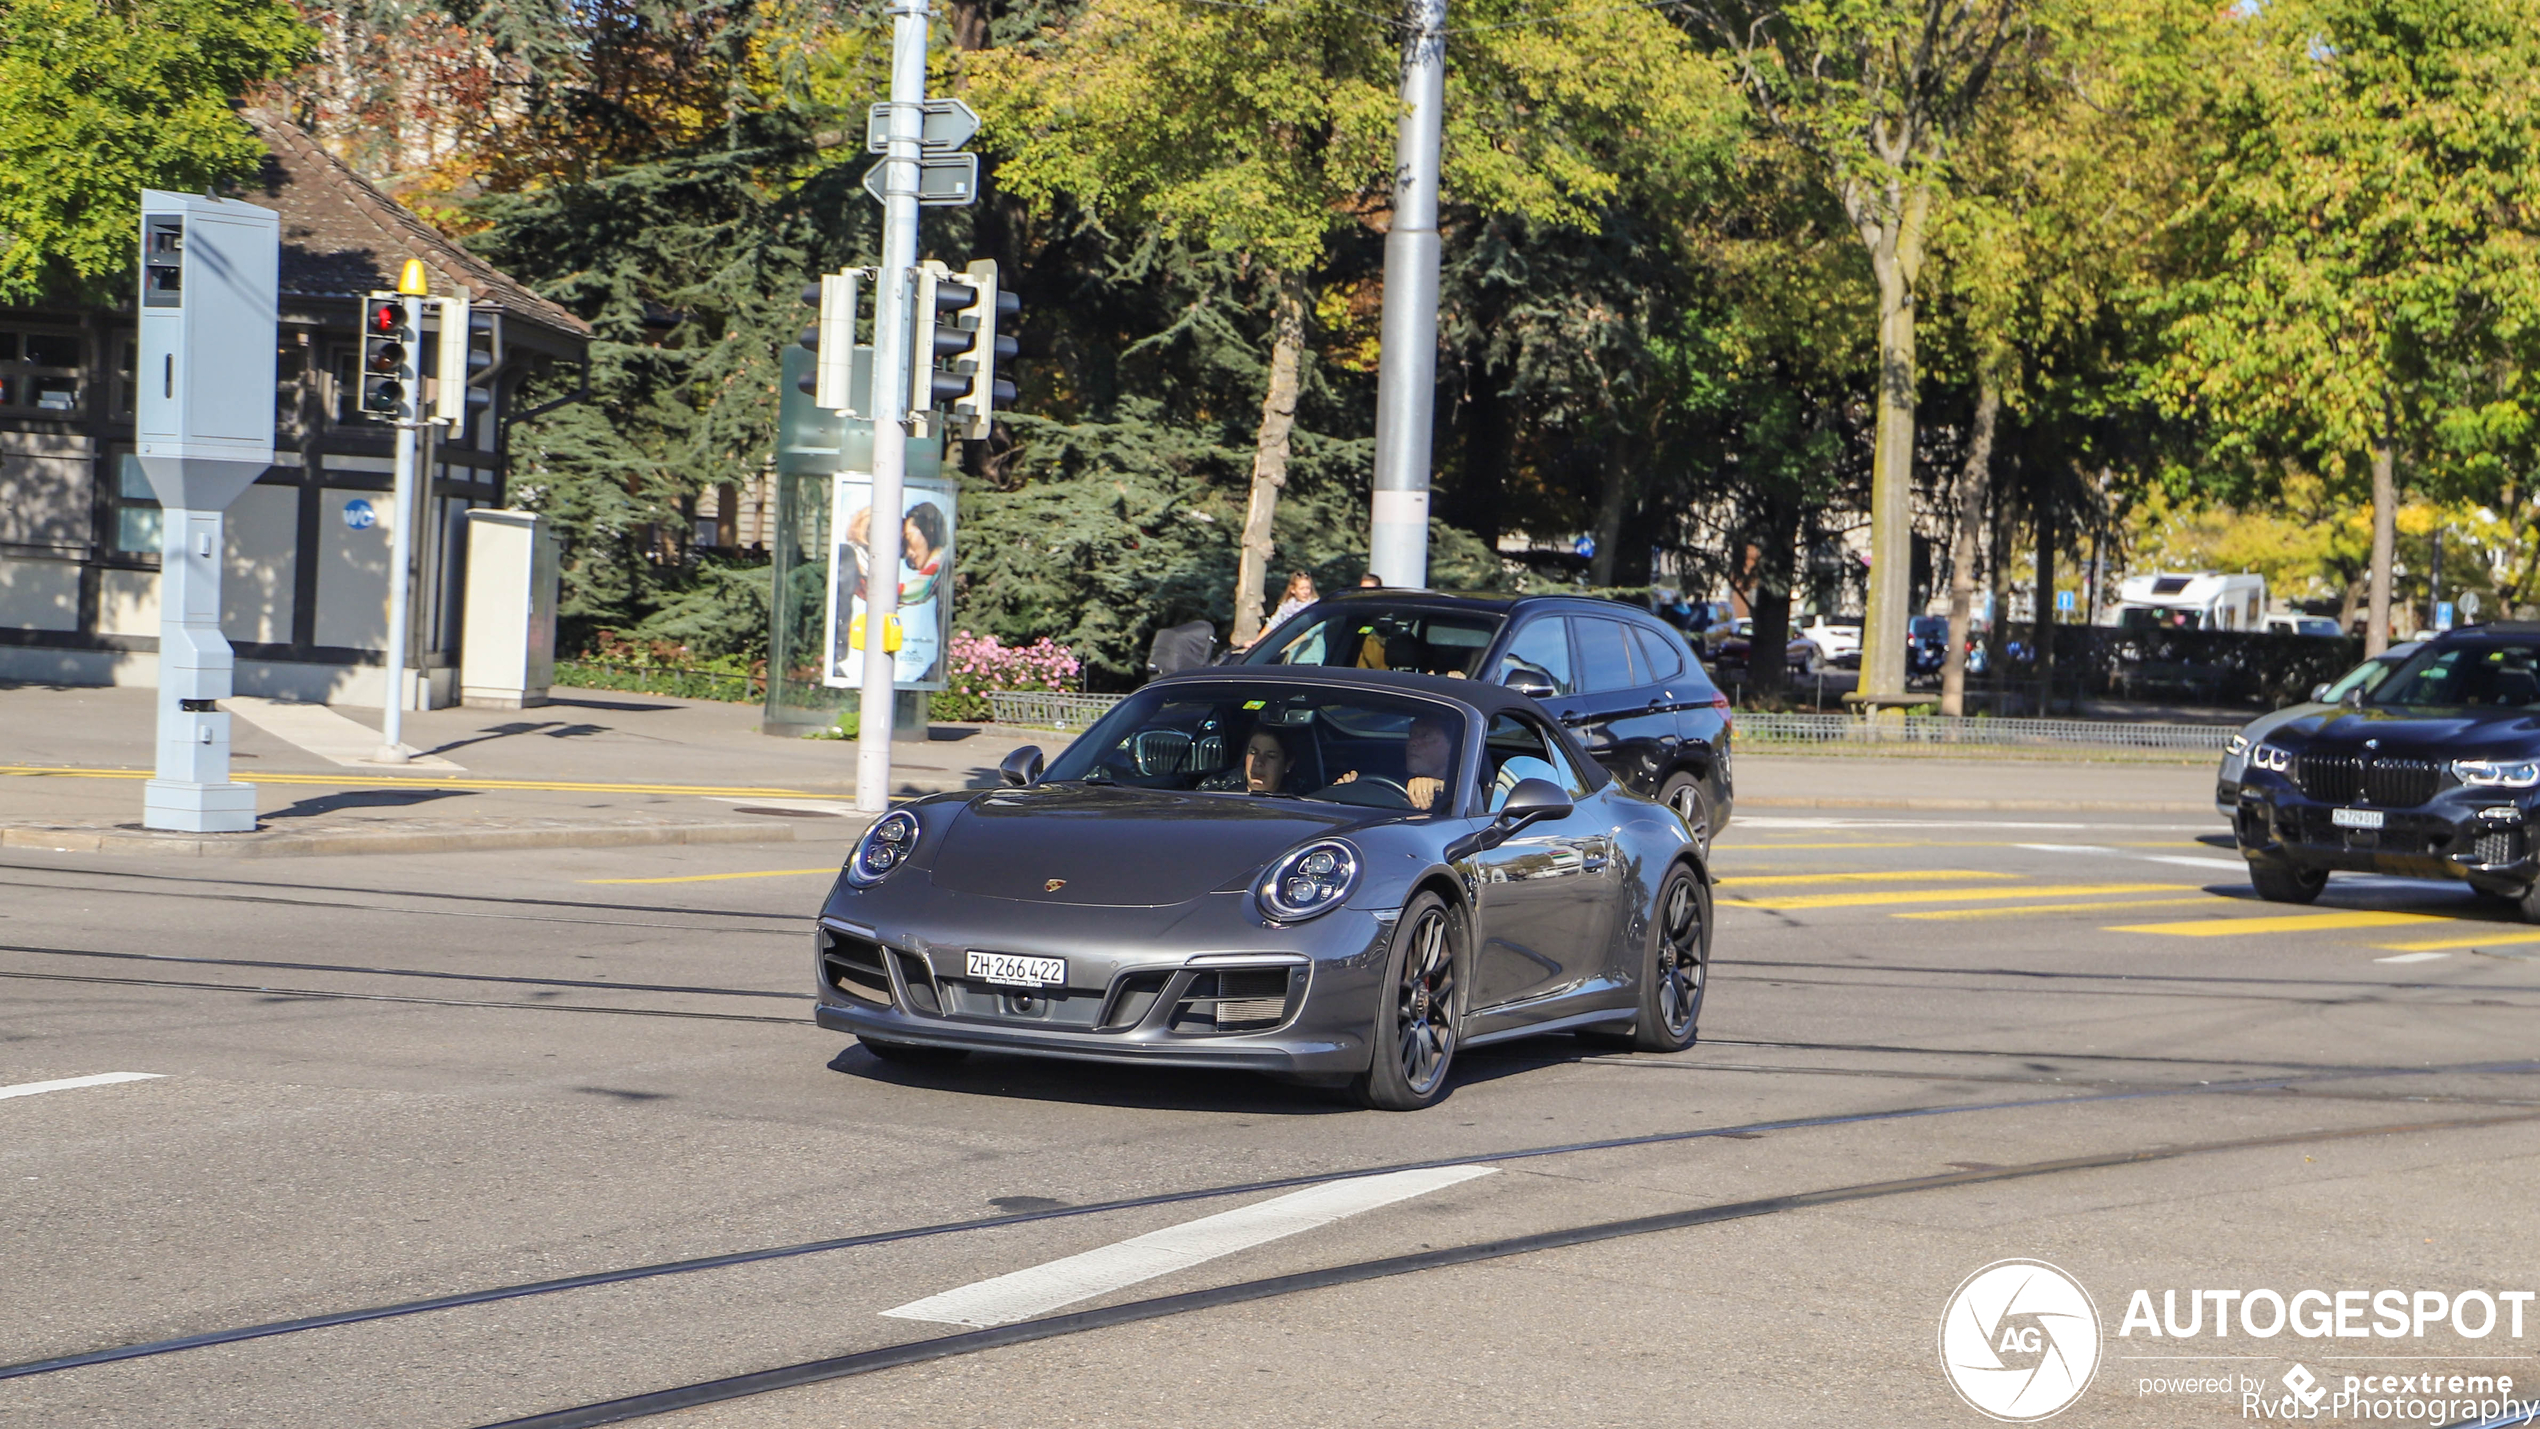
x,y
1529,683
1532,801
2319,693
1022,766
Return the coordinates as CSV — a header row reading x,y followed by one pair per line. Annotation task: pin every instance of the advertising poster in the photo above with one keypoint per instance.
x,y
925,580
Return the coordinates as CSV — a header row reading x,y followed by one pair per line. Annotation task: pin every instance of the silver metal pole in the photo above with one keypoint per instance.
x,y
1406,373
392,746
890,399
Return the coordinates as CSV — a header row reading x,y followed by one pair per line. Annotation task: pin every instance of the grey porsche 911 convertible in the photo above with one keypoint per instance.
x,y
1336,876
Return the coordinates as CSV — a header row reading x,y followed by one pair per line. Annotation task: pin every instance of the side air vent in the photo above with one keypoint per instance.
x,y
853,966
920,982
1134,1000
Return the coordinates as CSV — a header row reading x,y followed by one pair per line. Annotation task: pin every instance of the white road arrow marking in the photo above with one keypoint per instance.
x,y
102,1079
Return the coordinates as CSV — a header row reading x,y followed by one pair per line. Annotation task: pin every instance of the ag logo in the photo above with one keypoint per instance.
x,y
2019,1341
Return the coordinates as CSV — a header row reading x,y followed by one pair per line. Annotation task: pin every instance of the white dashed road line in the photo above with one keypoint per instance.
x,y
102,1079
2413,958
1043,1288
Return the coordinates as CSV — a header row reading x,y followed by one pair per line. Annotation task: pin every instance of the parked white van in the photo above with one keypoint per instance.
x,y
2200,600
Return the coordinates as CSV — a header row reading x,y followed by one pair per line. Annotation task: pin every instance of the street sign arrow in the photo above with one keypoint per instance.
x,y
942,179
949,125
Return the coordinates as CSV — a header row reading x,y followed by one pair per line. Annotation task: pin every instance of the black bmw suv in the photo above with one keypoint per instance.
x,y
1623,681
2434,773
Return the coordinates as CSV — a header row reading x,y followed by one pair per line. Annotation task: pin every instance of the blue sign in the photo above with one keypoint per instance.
x,y
1586,547
359,516
2063,602
2442,615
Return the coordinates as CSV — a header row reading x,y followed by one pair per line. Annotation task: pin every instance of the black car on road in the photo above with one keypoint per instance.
x,y
2433,773
1621,680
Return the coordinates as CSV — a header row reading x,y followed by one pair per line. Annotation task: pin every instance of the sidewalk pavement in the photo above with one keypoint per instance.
x,y
606,769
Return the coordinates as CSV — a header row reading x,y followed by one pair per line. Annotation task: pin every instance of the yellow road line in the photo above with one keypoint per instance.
x,y
2287,923
714,877
1727,846
2025,910
1939,875
1949,895
365,779
2526,936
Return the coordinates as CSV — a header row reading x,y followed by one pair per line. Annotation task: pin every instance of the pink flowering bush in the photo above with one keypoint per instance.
x,y
976,664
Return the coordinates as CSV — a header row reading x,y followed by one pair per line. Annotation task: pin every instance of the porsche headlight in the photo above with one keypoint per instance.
x,y
1310,880
2496,773
884,847
2239,745
2270,757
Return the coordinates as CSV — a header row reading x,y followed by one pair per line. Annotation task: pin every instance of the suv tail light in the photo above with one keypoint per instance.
x,y
1728,717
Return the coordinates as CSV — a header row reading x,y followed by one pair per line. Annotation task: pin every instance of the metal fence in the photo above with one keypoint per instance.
x,y
1044,709
1830,730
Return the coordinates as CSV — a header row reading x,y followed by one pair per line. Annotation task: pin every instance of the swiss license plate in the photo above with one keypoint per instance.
x,y
2355,818
1014,970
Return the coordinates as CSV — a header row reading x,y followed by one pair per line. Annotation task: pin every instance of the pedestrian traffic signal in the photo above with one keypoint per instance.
x,y
462,351
388,376
979,308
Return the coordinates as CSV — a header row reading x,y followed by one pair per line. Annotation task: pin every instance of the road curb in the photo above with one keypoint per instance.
x,y
1986,806
288,843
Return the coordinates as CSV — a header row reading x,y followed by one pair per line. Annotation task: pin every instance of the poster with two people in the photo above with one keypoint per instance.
x,y
925,580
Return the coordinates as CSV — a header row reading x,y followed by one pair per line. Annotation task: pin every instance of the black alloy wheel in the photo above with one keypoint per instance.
x,y
1683,793
1679,965
2279,881
1416,1018
907,1054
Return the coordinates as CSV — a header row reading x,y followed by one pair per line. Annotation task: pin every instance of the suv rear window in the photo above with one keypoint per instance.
x,y
1362,635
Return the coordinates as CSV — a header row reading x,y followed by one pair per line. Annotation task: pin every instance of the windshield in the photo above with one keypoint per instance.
x,y
2159,617
2490,674
1935,627
1363,635
2365,677
1240,739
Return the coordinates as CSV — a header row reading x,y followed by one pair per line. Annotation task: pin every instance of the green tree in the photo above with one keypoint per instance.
x,y
1877,94
99,101
1266,132
2360,256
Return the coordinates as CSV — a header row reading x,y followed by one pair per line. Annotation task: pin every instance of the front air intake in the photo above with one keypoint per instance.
x,y
853,966
1236,1000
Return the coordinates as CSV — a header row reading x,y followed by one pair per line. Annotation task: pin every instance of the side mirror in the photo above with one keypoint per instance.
x,y
1022,766
1531,801
1530,684
2319,693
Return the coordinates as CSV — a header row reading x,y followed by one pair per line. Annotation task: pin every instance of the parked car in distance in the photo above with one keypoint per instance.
x,y
2435,773
2198,600
1735,649
1837,638
1340,876
2286,623
2361,680
1615,675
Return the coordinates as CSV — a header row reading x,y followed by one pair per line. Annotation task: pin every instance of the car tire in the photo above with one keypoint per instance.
x,y
1676,968
1683,793
1419,1005
908,1054
2278,881
1811,661
2529,902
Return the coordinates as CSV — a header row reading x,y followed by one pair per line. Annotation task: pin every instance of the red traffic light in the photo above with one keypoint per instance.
x,y
386,316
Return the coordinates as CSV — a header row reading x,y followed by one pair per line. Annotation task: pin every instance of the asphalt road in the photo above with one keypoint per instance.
x,y
1931,1043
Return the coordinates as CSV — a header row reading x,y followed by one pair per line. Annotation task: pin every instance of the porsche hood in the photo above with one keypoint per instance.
x,y
1119,847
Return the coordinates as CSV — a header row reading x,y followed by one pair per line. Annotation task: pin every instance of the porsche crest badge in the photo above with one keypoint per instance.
x,y
1053,885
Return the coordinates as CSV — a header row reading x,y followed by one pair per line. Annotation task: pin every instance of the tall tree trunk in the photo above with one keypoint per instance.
x,y
1622,480
1482,476
1997,575
1972,481
2042,646
1896,258
2385,532
1767,671
1270,454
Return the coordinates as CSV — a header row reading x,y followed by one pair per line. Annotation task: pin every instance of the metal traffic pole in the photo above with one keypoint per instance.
x,y
905,143
1407,361
392,747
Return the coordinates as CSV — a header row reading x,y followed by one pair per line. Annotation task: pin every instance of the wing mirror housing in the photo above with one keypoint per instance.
x,y
2319,693
1532,801
1530,684
1022,766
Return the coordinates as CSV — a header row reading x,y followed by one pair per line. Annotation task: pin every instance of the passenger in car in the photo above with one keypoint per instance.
x,y
1263,768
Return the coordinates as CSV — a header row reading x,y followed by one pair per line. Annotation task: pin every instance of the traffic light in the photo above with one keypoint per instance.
x,y
930,341
979,306
832,339
389,359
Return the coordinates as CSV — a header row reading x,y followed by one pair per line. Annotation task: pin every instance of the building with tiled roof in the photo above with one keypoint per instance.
x,y
305,591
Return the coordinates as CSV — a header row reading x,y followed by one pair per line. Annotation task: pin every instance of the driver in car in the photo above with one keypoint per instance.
x,y
1263,768
1428,757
